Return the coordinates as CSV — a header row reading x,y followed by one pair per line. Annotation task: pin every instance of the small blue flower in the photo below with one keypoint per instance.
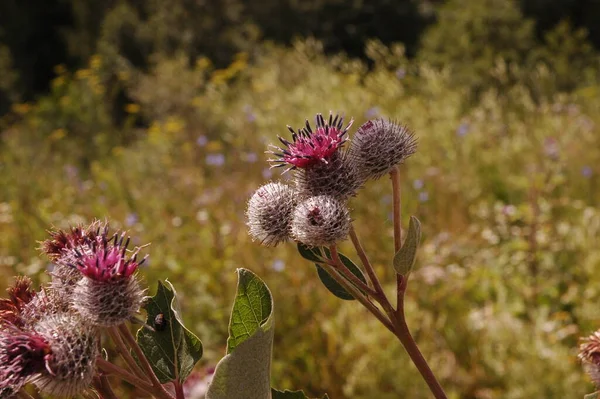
x,y
400,73
372,112
215,159
278,265
131,219
418,184
423,196
462,130
267,173
202,141
587,172
251,157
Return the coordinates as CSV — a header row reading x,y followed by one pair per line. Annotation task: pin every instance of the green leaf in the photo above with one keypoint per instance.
x,y
333,286
595,395
245,371
311,254
404,260
171,349
291,395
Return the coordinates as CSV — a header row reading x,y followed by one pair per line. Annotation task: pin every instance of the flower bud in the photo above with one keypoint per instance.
x,y
70,365
269,213
45,302
22,355
379,145
321,220
109,293
338,177
62,248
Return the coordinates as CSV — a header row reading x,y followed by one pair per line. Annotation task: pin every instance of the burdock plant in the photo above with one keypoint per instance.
x,y
326,175
72,337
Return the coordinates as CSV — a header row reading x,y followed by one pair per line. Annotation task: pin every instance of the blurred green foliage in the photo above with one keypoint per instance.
x,y
171,146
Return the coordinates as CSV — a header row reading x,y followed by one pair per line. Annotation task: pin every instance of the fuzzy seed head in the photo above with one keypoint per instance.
x,y
309,147
320,221
22,355
589,354
270,212
107,303
71,364
339,178
379,145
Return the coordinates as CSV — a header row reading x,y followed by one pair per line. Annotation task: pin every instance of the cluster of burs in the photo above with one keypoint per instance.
x,y
313,210
51,337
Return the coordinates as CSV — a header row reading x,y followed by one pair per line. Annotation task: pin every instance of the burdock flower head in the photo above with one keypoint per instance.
x,y
270,212
62,248
589,354
320,221
19,296
109,293
309,147
70,364
379,145
23,354
322,167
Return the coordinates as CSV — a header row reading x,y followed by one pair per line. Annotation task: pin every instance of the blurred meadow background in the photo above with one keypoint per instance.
x,y
156,115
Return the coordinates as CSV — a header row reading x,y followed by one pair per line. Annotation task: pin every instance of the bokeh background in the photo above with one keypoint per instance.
x,y
156,114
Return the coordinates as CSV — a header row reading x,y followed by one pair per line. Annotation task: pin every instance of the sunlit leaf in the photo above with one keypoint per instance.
x,y
245,371
171,349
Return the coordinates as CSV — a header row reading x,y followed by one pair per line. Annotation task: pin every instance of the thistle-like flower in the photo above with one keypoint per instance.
x,y
62,242
109,294
19,295
23,354
309,147
70,365
62,248
46,302
339,177
270,212
321,220
589,354
379,145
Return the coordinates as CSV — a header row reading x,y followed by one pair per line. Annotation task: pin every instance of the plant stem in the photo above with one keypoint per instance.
x,y
24,395
380,294
338,264
125,375
142,359
395,176
125,353
403,334
103,385
356,293
398,319
179,394
401,281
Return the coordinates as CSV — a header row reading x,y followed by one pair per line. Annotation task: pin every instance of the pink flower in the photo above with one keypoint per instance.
x,y
22,355
107,258
310,147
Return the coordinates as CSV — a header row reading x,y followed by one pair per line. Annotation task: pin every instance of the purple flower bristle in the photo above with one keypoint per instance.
x,y
107,259
310,147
